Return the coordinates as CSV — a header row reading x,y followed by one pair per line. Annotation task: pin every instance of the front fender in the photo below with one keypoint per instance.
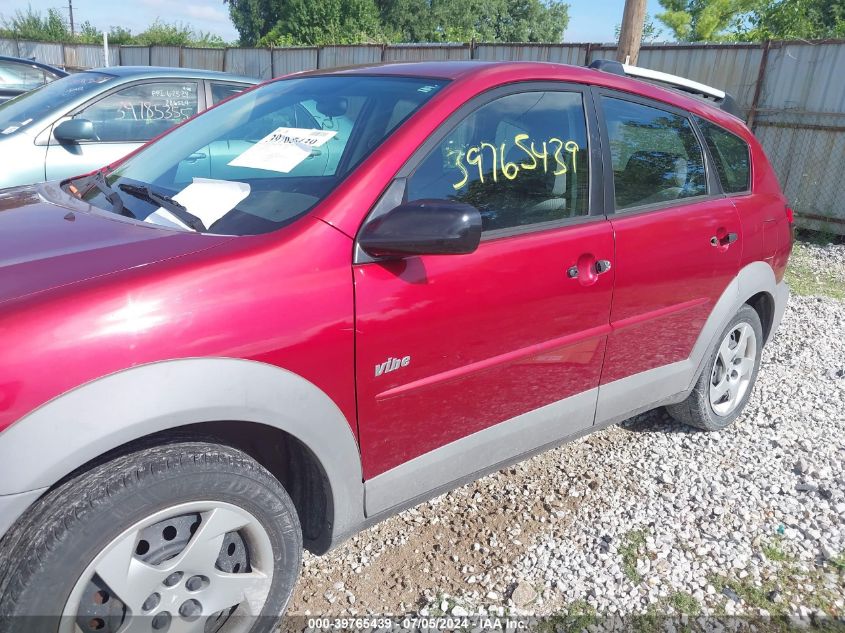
x,y
82,424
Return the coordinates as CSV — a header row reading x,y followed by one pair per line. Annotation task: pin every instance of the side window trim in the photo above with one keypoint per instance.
x,y
201,103
596,202
714,190
711,158
714,184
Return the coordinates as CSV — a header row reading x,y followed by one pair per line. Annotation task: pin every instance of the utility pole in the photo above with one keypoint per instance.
x,y
70,11
631,33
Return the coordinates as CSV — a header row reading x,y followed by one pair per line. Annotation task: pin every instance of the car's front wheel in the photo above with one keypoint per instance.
x,y
725,384
189,536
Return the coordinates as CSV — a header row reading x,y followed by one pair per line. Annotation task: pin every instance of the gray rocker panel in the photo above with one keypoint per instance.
x,y
58,437
480,451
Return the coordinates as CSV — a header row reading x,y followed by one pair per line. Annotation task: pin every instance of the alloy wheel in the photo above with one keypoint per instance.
x,y
733,369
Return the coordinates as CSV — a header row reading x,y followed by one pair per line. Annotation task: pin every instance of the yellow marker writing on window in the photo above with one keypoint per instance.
x,y
538,152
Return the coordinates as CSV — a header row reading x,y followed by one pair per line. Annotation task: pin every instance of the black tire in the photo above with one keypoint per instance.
x,y
44,554
697,410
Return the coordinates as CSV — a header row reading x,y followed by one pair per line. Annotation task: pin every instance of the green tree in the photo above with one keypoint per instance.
x,y
651,30
499,20
705,20
176,34
29,24
797,19
254,18
407,20
277,22
119,35
326,22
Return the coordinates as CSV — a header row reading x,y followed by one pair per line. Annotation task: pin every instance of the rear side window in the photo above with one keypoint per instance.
x,y
521,159
22,76
655,154
224,91
730,153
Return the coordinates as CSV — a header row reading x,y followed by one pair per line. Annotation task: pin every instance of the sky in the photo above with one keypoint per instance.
x,y
589,20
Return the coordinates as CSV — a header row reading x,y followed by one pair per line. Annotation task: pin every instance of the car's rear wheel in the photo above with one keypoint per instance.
x,y
725,384
182,537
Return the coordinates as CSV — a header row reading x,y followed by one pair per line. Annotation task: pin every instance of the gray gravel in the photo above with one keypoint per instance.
x,y
645,517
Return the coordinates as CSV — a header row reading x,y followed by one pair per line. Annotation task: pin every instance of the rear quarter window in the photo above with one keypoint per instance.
x,y
731,156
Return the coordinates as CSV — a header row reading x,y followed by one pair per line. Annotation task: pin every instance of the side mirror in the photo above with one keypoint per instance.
x,y
423,227
75,130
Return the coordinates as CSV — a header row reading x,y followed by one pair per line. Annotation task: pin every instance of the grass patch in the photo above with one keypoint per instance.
x,y
788,585
577,616
684,603
774,552
632,542
803,281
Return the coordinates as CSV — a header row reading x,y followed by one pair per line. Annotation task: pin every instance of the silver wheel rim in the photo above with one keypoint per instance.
x,y
188,591
733,369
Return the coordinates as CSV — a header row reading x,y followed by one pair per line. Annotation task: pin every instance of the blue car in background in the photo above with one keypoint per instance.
x,y
90,119
18,76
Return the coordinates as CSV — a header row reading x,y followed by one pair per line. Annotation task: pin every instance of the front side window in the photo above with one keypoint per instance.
x,y
655,155
520,160
143,111
258,162
730,154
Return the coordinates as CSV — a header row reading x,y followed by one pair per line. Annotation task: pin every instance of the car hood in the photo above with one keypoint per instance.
x,y
50,239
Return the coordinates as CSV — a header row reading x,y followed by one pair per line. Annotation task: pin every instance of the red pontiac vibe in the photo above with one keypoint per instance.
x,y
344,292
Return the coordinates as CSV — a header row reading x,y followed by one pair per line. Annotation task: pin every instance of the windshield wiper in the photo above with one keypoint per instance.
x,y
111,195
144,192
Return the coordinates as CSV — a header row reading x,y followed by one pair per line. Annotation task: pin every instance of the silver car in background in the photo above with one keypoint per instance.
x,y
90,119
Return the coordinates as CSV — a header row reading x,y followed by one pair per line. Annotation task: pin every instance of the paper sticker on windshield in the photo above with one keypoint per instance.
x,y
205,198
283,150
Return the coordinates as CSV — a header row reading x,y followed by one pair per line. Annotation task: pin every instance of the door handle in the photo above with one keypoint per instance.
x,y
600,266
729,238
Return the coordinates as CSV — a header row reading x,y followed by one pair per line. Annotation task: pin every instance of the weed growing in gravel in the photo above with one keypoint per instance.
x,y
577,616
684,603
774,552
789,582
632,541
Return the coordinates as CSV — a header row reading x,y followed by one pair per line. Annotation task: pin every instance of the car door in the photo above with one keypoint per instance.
x,y
678,240
124,119
448,346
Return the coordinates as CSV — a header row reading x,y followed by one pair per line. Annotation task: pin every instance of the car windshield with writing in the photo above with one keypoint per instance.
x,y
16,114
259,161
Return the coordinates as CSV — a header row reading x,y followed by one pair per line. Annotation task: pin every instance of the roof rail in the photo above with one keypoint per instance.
x,y
723,99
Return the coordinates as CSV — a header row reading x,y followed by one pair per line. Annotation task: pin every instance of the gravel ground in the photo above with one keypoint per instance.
x,y
648,517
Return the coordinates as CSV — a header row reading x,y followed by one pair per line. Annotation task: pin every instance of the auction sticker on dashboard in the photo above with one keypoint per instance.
x,y
283,149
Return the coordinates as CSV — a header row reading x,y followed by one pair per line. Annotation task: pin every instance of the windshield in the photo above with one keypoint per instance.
x,y
259,161
19,112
